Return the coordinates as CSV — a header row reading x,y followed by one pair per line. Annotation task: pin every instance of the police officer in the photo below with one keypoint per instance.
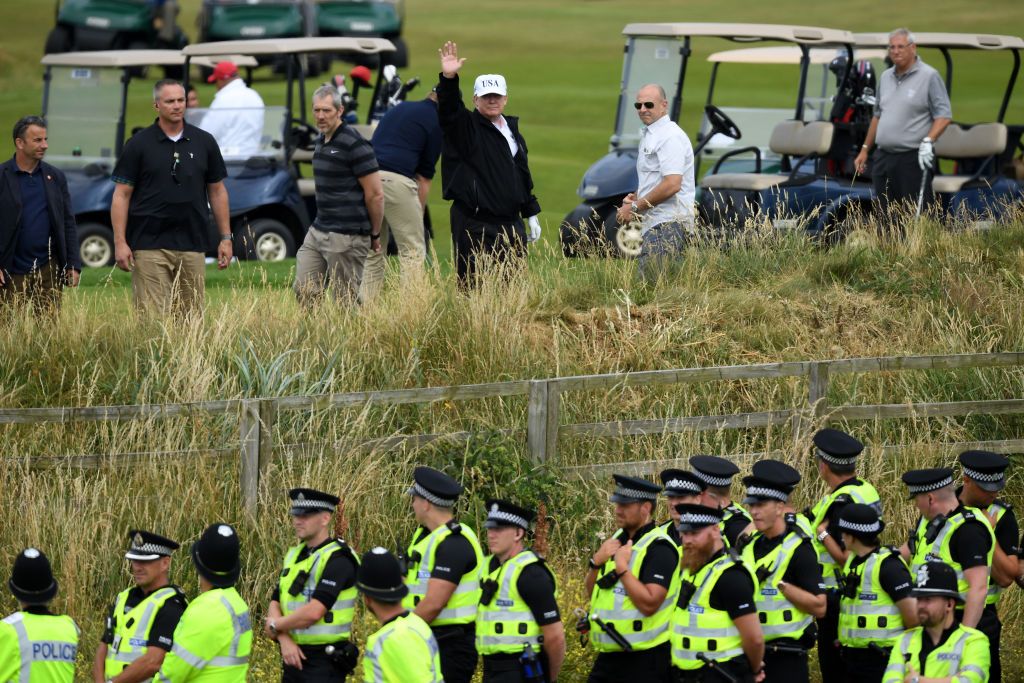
x,y
314,602
940,649
519,630
984,477
140,625
876,605
716,634
789,591
950,532
403,650
35,644
836,453
444,560
633,582
680,486
717,473
214,637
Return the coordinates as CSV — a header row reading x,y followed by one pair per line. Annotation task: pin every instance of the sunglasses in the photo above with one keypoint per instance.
x,y
643,105
174,169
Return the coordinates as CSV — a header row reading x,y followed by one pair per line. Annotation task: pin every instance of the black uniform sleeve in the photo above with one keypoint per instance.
x,y
734,527
339,574
1007,533
804,571
970,544
538,590
108,628
453,559
895,578
276,595
161,634
660,564
126,171
734,593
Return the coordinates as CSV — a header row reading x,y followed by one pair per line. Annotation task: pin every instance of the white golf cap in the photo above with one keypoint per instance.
x,y
487,84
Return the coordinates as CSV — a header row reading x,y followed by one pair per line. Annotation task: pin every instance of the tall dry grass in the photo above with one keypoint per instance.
x,y
770,299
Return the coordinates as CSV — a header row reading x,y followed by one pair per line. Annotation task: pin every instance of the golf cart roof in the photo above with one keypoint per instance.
x,y
804,35
785,54
285,46
971,41
133,58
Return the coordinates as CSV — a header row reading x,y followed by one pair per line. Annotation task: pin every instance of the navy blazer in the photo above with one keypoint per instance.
x,y
64,230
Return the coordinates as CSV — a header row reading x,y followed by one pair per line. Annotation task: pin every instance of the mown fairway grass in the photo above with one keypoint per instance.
x,y
772,299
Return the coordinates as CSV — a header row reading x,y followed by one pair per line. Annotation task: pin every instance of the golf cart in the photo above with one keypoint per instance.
x,y
115,25
382,18
85,103
660,53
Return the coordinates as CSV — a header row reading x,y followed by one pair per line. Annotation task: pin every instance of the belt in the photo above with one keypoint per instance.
x,y
455,628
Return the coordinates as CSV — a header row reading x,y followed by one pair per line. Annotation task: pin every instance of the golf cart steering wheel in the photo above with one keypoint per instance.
x,y
303,133
720,123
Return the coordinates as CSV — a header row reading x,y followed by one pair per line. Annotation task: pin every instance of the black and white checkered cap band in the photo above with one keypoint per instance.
x,y
430,497
860,528
673,485
506,518
313,505
764,492
635,493
712,480
983,476
697,519
835,459
914,489
147,551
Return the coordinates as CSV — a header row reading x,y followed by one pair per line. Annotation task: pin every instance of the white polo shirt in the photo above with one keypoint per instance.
x,y
235,120
665,150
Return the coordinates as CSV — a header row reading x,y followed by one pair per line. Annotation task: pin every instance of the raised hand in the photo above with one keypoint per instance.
x,y
450,62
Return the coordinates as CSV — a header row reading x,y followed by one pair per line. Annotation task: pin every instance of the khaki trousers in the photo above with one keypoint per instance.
x,y
403,217
41,289
166,281
330,261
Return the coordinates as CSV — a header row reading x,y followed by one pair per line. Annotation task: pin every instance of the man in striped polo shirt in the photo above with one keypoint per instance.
x,y
349,207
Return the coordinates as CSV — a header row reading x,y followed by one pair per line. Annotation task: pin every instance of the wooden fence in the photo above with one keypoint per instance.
x,y
543,426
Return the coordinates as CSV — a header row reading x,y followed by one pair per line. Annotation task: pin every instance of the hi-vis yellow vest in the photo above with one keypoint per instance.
x,y
336,624
779,617
131,628
863,493
871,615
506,624
38,648
462,605
964,654
939,549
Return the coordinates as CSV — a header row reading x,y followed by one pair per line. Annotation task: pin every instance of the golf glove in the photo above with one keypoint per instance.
x,y
534,233
926,154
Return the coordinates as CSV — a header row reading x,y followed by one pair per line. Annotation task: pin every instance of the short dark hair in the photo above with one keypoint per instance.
x,y
163,83
21,127
840,469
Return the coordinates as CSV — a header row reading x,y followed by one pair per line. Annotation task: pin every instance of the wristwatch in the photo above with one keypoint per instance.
x,y
272,626
225,238
823,535
374,237
592,564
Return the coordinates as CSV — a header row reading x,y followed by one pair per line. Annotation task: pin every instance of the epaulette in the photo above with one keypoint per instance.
x,y
454,526
347,550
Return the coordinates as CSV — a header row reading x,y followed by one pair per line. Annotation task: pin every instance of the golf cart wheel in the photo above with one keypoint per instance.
x,y
95,245
58,41
266,239
400,57
628,240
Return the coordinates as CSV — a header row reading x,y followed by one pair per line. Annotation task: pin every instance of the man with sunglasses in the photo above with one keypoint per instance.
x,y
167,179
663,202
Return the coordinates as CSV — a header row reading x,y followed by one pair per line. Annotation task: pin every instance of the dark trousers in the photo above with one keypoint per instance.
x,y
653,666
316,668
738,669
897,179
477,242
506,668
785,667
864,664
830,660
40,290
990,625
662,248
457,648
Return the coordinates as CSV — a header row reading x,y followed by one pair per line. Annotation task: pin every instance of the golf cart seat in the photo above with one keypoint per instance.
x,y
307,187
795,139
984,142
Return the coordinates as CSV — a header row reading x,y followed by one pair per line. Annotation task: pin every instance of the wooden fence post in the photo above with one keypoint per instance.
x,y
268,417
537,421
554,408
817,388
249,437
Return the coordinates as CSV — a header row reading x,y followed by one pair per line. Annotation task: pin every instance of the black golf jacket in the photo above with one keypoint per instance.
x,y
478,171
63,229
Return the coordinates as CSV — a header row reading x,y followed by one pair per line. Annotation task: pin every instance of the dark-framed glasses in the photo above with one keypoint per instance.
x,y
643,105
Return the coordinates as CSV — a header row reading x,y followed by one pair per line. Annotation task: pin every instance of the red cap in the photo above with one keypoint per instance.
x,y
222,71
361,74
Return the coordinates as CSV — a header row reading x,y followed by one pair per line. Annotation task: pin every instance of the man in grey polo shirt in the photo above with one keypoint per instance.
x,y
663,202
912,111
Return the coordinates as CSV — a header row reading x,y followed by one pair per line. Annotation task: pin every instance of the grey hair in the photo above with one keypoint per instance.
x,y
905,32
22,126
161,84
325,91
661,90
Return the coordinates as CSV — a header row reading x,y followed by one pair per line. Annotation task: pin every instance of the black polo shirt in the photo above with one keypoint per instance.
x,y
338,164
169,208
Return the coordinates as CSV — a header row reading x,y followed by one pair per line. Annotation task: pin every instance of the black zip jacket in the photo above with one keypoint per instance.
x,y
478,171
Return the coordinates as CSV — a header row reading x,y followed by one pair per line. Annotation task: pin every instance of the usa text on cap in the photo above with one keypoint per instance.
x,y
305,501
836,447
680,483
771,480
694,517
714,470
435,486
503,513
985,468
926,481
633,490
145,546
490,84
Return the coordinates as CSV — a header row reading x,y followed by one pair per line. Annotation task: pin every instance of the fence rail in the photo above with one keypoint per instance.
x,y
257,416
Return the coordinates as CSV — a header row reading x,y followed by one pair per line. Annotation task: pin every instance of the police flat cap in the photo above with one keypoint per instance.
x,y
861,521
435,486
305,501
694,517
936,579
504,513
927,480
715,471
633,490
682,483
836,447
770,480
146,546
985,468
